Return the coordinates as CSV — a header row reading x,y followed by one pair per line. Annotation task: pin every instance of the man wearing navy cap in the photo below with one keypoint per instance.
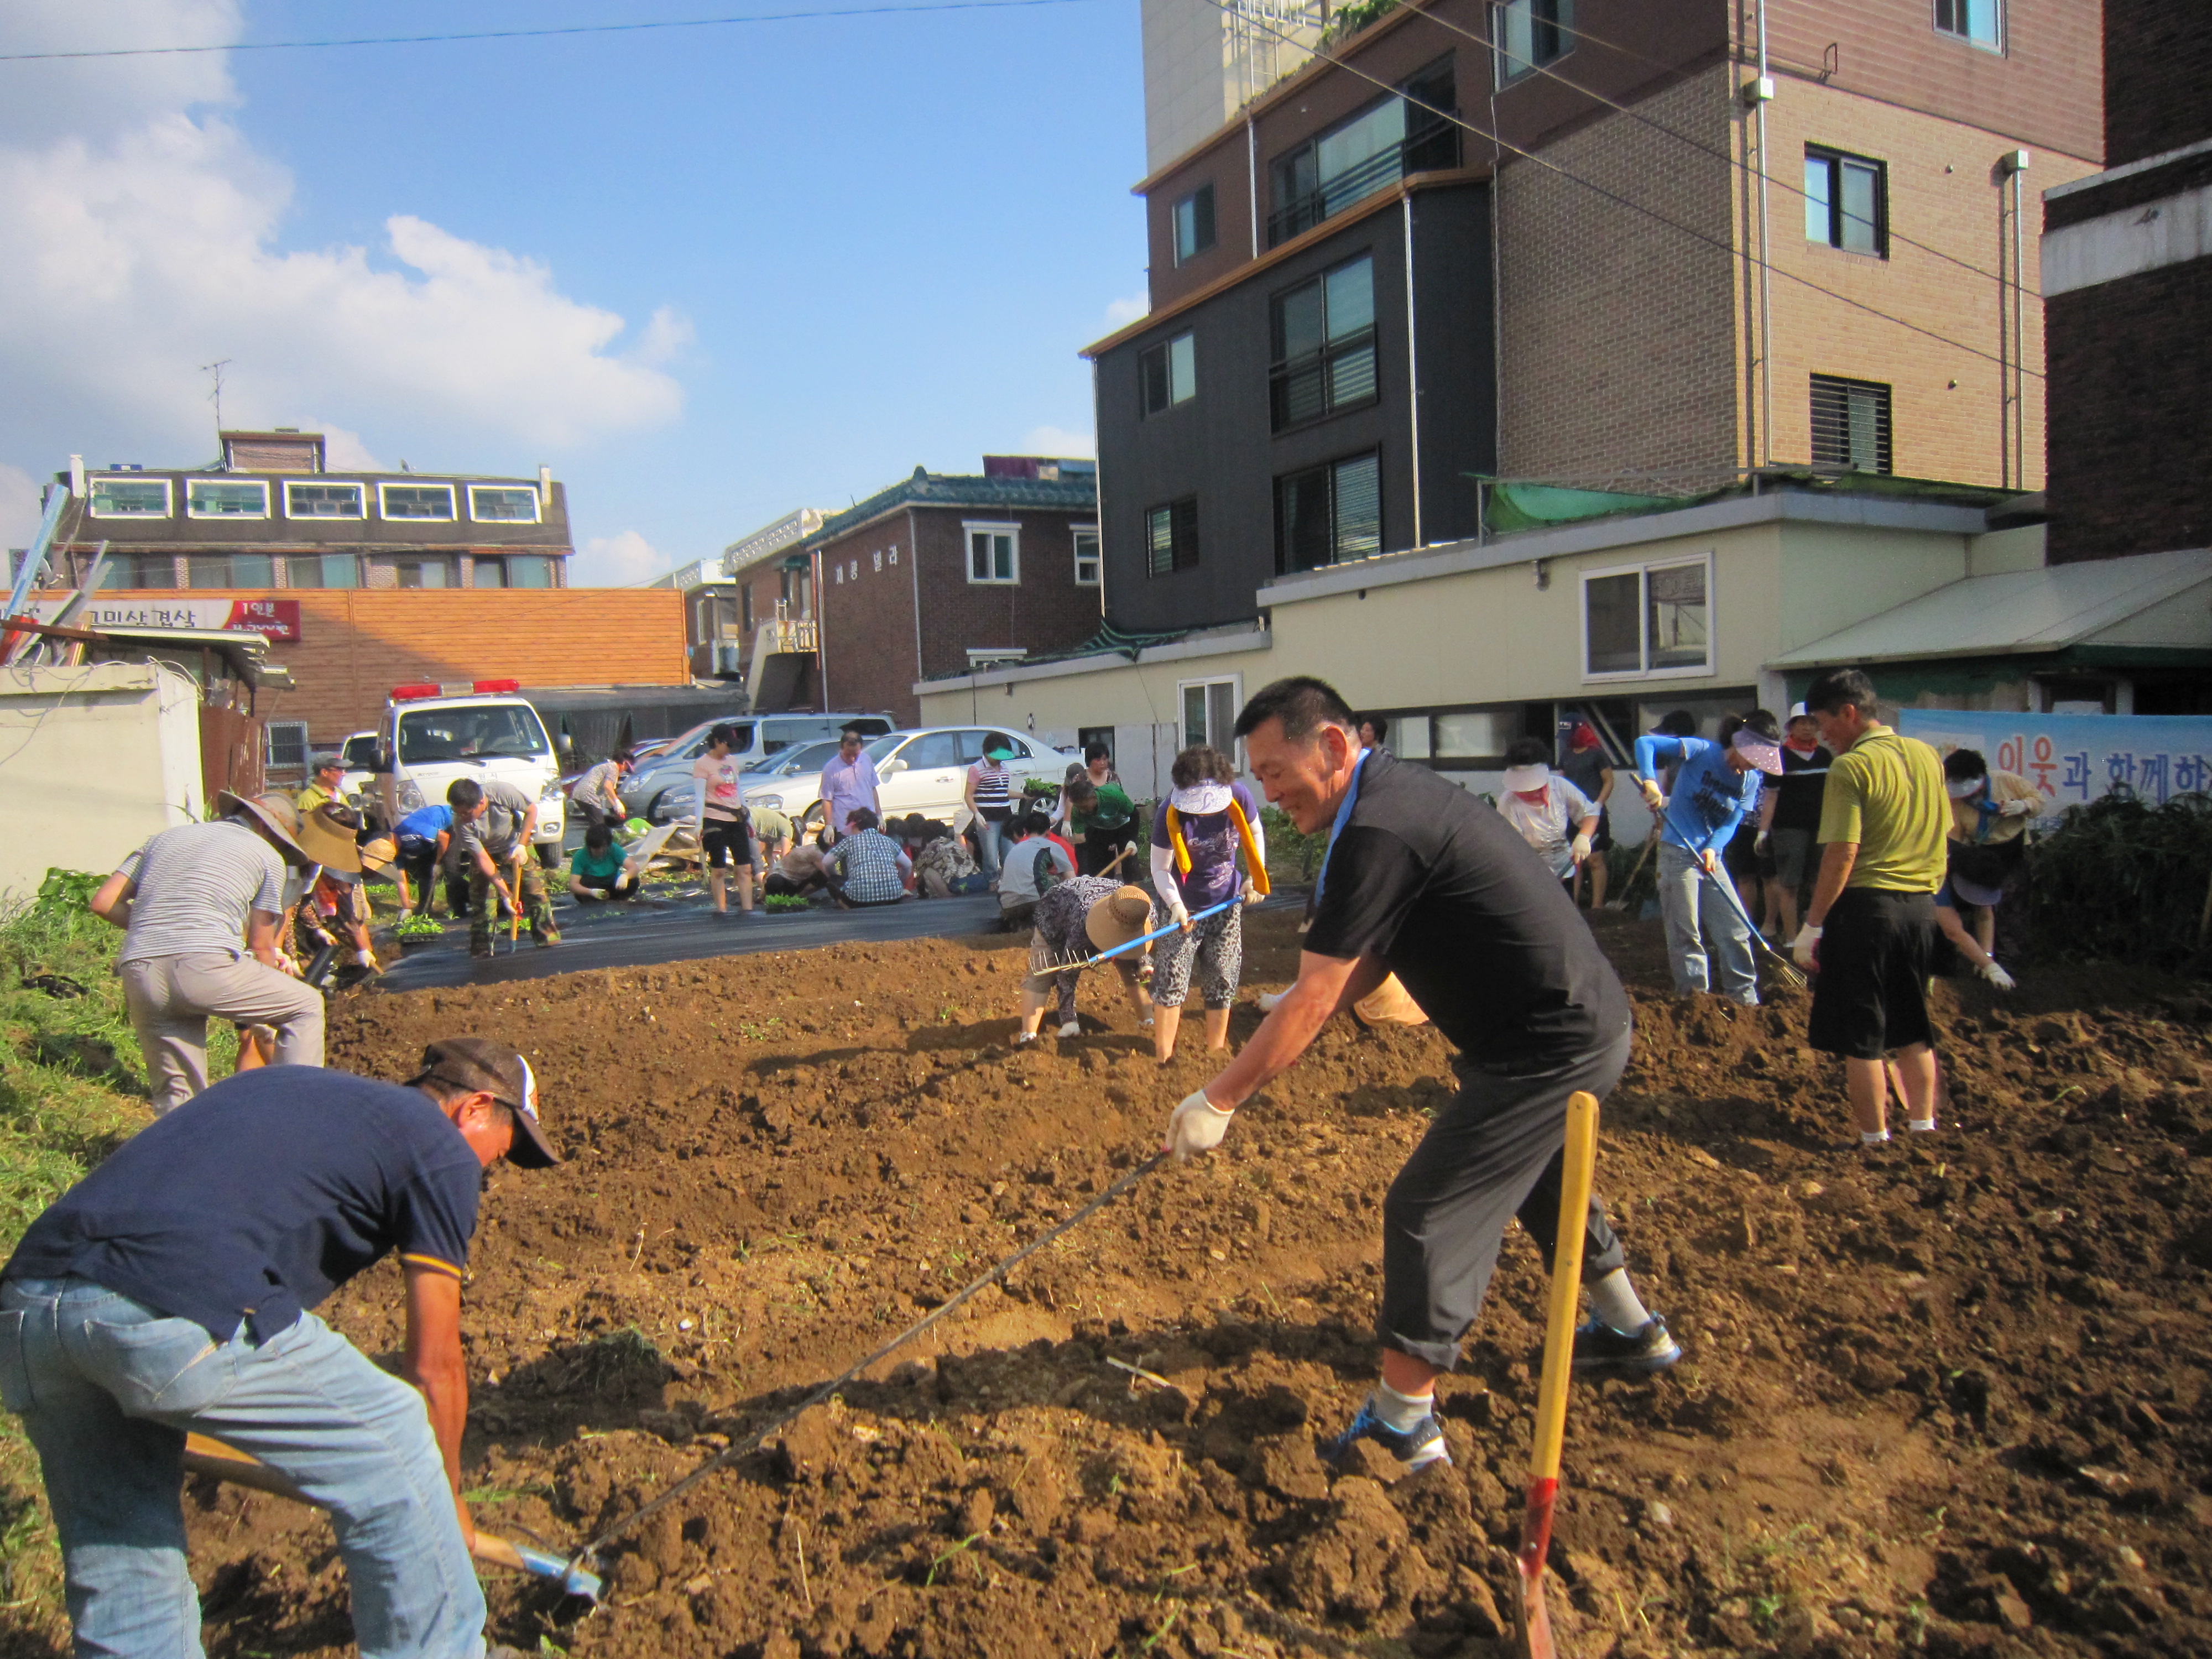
x,y
171,1291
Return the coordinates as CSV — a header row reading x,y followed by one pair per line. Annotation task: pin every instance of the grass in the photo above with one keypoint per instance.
x,y
71,1089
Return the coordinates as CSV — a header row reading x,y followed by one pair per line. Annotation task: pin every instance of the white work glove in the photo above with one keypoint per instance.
x,y
1802,947
1179,914
2016,808
1581,848
1249,894
1652,795
1196,1126
365,958
1758,842
1072,1028
1998,976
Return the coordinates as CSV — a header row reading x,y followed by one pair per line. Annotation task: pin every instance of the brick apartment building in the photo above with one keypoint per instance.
x,y
1666,270
361,580
941,572
2127,258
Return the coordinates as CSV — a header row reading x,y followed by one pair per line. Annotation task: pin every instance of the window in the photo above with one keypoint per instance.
x,y
227,499
1194,224
322,570
416,501
1209,713
994,552
1171,536
230,570
530,570
1850,424
1086,555
1846,202
138,570
422,573
933,751
1655,619
360,751
322,501
284,746
1530,34
1409,129
503,503
486,572
1168,373
1980,22
114,497
1471,734
1324,346
1327,514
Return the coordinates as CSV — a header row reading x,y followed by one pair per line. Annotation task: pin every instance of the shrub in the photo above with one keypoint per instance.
x,y
1289,849
2119,880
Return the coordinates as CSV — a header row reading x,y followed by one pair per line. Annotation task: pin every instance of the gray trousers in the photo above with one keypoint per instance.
x,y
171,999
1705,930
1494,1153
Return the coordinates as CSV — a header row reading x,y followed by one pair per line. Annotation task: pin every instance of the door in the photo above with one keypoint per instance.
x,y
933,780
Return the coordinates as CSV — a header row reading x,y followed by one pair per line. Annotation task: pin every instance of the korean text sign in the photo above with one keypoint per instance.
x,y
2075,758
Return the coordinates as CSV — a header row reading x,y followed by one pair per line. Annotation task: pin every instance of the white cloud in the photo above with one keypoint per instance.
x,y
1119,313
145,242
343,450
1058,441
623,560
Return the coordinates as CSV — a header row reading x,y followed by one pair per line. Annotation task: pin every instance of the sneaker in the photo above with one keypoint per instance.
x,y
1598,1346
1416,1447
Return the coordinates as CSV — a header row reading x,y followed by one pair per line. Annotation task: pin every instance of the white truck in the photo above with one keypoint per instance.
x,y
484,730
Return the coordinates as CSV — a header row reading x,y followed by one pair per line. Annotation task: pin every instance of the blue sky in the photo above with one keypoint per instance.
x,y
708,275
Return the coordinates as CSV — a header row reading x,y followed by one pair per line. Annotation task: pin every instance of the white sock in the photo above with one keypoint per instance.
x,y
1873,1137
1922,1125
1401,1411
1613,1300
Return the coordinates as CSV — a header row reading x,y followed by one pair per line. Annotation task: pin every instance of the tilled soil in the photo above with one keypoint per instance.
x,y
1950,1395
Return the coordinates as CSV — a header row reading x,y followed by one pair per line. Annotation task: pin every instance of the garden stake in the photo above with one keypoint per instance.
x,y
1532,1622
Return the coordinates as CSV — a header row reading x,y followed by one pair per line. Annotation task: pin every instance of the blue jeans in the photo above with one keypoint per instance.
x,y
991,844
106,1389
1704,926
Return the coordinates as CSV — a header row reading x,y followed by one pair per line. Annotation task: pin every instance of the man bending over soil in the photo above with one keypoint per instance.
x,y
1424,881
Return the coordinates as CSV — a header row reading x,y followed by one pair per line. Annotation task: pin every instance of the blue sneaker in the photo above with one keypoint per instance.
x,y
1598,1346
1416,1447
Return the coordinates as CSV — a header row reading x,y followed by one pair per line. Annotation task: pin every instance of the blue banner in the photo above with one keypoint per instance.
x,y
2075,758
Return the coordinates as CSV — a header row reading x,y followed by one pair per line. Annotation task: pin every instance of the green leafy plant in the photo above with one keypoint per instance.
x,y
67,892
1291,852
2122,880
786,902
416,927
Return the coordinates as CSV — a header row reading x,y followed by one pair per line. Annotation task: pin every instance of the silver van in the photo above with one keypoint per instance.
x,y
661,787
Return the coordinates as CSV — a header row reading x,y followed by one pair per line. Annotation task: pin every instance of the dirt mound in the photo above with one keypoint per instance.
x,y
1949,1396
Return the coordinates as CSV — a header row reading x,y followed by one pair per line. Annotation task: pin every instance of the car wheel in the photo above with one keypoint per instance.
x,y
656,810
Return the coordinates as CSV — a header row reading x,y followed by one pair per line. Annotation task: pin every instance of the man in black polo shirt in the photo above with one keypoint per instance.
x,y
170,1291
1424,881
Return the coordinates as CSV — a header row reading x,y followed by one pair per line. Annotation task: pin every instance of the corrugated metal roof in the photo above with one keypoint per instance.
x,y
927,489
2025,611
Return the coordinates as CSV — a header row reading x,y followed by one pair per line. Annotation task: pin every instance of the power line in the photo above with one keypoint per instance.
x,y
1726,247
537,33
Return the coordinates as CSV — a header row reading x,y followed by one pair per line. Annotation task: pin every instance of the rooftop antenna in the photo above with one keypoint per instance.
x,y
213,372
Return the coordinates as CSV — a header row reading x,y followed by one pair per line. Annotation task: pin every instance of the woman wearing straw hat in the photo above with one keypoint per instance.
x,y
1076,920
200,906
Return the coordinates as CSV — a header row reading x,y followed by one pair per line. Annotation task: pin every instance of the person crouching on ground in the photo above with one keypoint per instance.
x,y
424,837
171,1290
493,822
600,870
1715,786
945,866
1030,868
1075,921
1552,815
799,871
598,794
867,867
1208,819
1988,842
1423,880
726,833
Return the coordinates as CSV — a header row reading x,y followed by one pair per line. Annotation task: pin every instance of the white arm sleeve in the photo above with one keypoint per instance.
x,y
1164,874
1260,840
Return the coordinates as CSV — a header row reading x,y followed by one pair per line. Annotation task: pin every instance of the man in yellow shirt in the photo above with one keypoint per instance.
x,y
325,772
1872,922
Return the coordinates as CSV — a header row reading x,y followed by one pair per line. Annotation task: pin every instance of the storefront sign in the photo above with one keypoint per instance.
x,y
2074,758
273,619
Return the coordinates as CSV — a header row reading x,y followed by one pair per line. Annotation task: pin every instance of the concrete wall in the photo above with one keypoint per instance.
x,y
141,722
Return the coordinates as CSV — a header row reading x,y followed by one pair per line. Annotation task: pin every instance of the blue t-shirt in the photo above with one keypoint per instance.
x,y
1710,796
261,1196
428,822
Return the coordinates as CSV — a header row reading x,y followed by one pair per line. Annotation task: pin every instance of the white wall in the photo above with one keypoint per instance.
x,y
93,761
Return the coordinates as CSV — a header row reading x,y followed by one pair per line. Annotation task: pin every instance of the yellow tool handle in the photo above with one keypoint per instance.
x,y
1581,1154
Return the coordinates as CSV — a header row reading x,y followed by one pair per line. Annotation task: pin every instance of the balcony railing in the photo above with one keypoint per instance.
x,y
785,634
1431,142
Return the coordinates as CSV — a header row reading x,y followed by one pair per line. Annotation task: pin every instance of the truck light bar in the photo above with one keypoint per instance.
x,y
488,687
415,693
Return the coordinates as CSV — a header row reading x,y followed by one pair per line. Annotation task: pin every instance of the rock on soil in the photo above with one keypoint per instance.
x,y
1949,1397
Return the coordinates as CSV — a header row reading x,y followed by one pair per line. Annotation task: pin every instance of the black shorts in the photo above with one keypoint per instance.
x,y
1603,838
727,846
1877,948
1740,856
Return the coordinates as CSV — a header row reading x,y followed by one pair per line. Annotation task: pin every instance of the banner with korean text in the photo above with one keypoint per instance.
x,y
2076,758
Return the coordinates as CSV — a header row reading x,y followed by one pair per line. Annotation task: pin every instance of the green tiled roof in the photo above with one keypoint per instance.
x,y
927,488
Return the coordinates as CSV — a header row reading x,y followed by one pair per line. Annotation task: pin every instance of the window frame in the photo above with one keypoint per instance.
x,y
536,503
1177,561
1096,557
1228,744
92,495
1329,469
323,565
1836,161
1886,436
443,560
1642,569
1184,255
269,731
1324,357
360,495
194,484
971,528
1965,36
383,503
1159,360
1562,20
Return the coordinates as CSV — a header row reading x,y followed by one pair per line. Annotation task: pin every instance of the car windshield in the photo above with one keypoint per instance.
x,y
508,731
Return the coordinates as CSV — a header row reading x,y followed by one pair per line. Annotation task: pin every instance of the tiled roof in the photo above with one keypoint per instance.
x,y
927,489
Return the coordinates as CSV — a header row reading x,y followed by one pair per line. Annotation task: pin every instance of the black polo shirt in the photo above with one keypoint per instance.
x,y
258,1198
1431,881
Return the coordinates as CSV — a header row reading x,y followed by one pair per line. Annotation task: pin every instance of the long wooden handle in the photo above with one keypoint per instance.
x,y
1580,1156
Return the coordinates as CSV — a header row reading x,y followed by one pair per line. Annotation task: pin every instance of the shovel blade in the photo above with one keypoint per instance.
x,y
1532,1621
1532,1624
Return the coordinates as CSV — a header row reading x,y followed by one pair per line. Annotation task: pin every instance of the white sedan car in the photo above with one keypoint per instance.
x,y
925,770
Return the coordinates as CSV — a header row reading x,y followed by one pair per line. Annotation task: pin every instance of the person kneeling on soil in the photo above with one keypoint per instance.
x,y
799,871
1207,819
1076,920
600,870
944,867
867,867
1423,880
171,1291
1030,868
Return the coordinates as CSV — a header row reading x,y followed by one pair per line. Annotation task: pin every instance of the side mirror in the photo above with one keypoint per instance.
x,y
891,769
